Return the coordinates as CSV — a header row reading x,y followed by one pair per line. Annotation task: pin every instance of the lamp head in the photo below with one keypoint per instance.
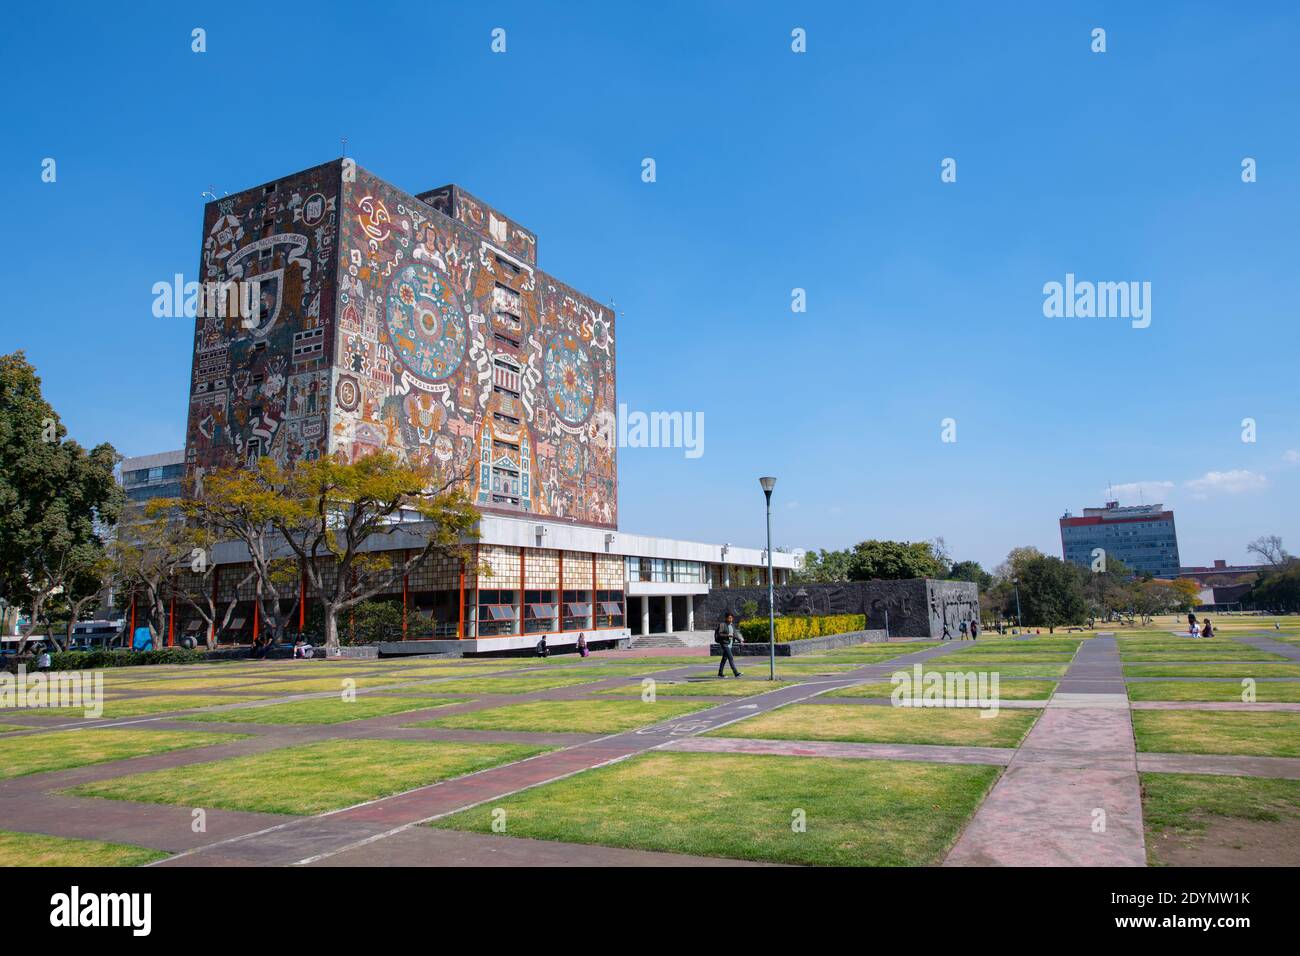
x,y
768,484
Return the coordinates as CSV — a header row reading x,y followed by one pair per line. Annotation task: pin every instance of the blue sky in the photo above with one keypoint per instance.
x,y
775,170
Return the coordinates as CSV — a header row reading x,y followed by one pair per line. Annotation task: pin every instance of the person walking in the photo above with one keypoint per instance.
x,y
974,630
582,645
947,634
725,635
962,627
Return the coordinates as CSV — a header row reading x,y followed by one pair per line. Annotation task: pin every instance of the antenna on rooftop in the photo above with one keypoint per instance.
x,y
344,141
211,192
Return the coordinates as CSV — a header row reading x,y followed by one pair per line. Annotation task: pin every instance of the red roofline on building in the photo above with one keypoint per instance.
x,y
1076,522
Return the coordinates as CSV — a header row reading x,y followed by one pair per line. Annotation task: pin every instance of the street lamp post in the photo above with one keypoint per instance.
x,y
768,484
1016,582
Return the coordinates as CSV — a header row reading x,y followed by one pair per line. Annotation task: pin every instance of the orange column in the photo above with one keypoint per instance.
x,y
406,556
460,607
561,604
133,620
257,619
302,601
593,590
212,628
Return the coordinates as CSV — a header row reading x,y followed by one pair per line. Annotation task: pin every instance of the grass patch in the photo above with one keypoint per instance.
x,y
1237,671
330,710
858,812
962,659
37,849
1217,732
319,685
1184,806
60,751
10,728
311,779
1197,655
567,716
894,725
139,706
1266,692
1013,690
504,685
702,687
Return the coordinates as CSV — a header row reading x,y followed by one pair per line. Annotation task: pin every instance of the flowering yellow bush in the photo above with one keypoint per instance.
x,y
755,629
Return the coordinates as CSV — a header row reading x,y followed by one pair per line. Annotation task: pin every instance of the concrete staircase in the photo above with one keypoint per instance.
x,y
675,639
642,641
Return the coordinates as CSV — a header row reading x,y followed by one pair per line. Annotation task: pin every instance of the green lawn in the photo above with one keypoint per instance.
x,y
1236,671
1248,733
962,659
567,716
36,849
701,687
42,753
871,723
1197,654
1266,692
286,688
10,728
1007,690
310,779
329,710
857,812
1181,807
139,706
503,685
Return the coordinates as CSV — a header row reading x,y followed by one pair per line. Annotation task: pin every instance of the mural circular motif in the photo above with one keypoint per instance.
x,y
570,381
426,328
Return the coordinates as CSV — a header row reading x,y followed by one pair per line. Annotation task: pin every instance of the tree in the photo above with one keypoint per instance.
x,y
57,499
1051,592
1278,590
822,567
332,509
1269,547
893,560
1188,594
244,504
1108,592
971,571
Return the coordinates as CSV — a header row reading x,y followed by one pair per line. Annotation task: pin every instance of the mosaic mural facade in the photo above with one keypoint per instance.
x,y
415,325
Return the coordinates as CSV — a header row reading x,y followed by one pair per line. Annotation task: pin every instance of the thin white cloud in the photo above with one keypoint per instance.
x,y
1235,482
1133,492
1291,456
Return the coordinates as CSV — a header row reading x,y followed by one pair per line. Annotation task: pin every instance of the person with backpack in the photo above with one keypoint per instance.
x,y
962,627
725,635
542,650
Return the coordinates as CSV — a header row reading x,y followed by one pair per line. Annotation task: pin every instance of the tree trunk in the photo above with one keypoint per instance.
x,y
331,630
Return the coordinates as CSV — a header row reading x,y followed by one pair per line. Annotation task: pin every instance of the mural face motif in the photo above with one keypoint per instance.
x,y
261,389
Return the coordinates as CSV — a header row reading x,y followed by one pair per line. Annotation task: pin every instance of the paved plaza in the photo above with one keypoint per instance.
x,y
623,758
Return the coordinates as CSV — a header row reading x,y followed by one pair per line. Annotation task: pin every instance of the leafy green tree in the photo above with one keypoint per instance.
x,y
971,571
893,560
57,499
1051,592
822,567
332,511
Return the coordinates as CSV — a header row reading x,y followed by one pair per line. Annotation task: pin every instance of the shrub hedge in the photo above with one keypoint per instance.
x,y
755,629
86,660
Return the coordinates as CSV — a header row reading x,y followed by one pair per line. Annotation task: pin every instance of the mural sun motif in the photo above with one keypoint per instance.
x,y
570,383
425,326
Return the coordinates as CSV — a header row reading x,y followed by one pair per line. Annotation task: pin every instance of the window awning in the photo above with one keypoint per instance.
x,y
501,612
578,610
542,610
610,607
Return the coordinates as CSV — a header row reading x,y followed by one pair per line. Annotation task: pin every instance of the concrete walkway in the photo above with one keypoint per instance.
x,y
1070,796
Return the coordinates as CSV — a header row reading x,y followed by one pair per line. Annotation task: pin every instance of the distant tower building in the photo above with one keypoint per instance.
x,y
153,476
1142,536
